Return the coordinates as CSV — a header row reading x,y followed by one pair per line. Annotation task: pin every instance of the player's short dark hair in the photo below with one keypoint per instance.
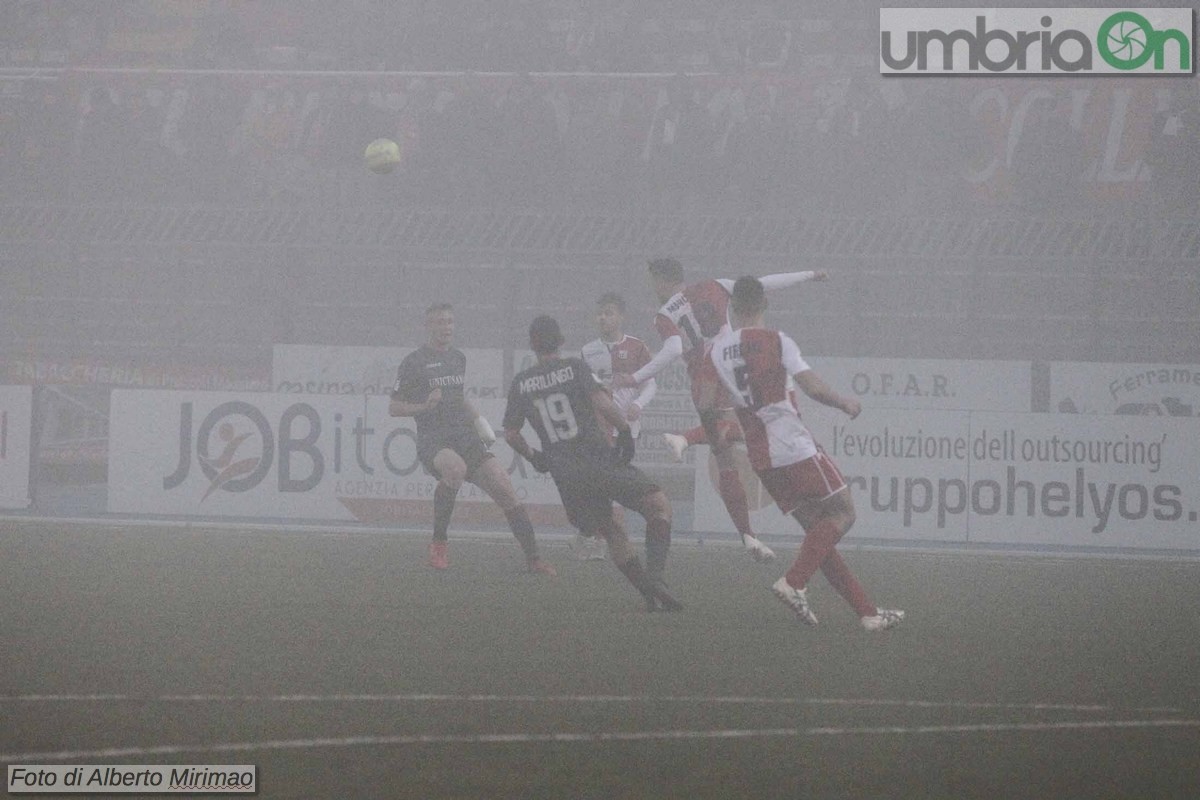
x,y
436,307
667,269
749,297
544,335
612,299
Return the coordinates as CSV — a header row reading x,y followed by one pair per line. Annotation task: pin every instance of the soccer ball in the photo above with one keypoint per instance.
x,y
382,155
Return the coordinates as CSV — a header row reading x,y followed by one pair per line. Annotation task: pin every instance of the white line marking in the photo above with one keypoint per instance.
x,y
545,738
699,540
530,698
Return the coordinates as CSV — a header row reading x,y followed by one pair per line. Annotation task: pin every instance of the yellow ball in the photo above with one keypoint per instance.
x,y
382,155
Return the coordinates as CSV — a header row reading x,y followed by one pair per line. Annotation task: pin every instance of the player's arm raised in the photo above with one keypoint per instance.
x,y
649,389
672,348
781,280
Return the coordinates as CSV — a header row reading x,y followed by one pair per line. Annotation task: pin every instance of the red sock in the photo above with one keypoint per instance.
x,y
696,435
819,541
838,573
729,485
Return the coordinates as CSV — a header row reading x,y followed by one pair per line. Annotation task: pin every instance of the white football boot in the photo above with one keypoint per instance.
x,y
884,619
795,599
676,444
757,550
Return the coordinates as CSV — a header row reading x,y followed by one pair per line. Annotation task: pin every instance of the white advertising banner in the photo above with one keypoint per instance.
x,y
1167,390
1001,478
16,424
930,383
320,457
1087,481
325,369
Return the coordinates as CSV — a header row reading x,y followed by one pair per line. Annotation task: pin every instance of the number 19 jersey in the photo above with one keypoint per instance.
x,y
555,397
755,365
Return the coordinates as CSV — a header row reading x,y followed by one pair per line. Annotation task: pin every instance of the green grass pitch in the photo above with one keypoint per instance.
x,y
345,668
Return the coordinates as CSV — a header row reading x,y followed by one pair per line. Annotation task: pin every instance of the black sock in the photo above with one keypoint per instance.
x,y
522,528
658,542
632,569
652,591
443,507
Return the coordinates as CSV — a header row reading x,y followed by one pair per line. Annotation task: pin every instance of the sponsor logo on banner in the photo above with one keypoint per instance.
x,y
16,418
1035,41
130,374
1161,390
1005,478
287,456
319,369
931,383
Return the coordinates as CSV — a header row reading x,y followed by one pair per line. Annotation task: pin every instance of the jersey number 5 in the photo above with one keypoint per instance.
x,y
557,417
741,375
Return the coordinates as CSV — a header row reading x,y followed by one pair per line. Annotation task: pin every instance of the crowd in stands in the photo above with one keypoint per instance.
x,y
482,35
700,106
838,143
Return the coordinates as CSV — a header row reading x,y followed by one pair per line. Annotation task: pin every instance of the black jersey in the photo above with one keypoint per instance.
x,y
424,370
556,399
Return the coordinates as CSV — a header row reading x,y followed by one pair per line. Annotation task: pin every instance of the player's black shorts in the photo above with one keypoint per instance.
x,y
589,488
465,442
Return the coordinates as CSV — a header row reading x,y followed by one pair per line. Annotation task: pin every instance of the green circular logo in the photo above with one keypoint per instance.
x,y
1126,40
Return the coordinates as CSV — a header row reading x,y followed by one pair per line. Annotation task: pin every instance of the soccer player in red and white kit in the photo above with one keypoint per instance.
x,y
615,353
753,364
691,315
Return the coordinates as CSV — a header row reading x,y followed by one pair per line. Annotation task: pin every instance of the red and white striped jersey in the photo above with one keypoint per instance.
x,y
756,366
696,315
624,357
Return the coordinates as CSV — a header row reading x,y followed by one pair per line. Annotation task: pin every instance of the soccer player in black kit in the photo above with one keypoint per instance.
x,y
452,438
561,399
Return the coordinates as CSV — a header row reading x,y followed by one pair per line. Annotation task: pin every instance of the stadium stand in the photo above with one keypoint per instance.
x,y
189,183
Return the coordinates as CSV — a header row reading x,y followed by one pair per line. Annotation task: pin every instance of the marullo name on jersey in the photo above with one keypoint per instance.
x,y
679,302
538,383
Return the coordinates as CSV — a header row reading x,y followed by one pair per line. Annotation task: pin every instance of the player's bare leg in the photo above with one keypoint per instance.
x,y
825,522
729,481
491,478
677,443
451,472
